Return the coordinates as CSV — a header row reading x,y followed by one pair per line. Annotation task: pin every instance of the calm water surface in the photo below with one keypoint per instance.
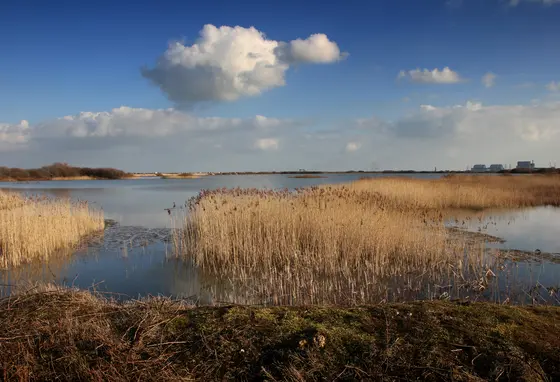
x,y
134,258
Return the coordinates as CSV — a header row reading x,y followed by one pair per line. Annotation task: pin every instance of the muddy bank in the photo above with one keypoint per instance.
x,y
115,237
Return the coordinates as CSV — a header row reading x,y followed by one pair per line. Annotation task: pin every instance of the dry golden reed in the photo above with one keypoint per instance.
x,y
36,227
382,227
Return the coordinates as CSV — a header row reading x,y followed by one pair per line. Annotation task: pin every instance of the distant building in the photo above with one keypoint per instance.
x,y
526,165
479,168
496,167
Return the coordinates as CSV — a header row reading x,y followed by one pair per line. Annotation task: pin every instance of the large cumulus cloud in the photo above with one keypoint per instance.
x,y
227,63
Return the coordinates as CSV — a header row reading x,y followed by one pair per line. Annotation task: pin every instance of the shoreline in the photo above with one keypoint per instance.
x,y
291,174
58,179
67,334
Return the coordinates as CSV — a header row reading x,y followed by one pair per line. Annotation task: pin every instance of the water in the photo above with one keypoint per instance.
x,y
135,257
142,201
530,253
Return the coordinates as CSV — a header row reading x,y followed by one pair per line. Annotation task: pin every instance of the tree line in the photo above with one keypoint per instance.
x,y
60,170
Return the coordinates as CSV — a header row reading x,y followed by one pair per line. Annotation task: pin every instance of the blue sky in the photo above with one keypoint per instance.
x,y
61,58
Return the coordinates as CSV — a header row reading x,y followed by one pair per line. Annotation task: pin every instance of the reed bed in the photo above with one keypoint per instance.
x,y
34,228
462,192
353,237
324,229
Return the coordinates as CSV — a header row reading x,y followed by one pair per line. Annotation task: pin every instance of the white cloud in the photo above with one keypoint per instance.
x,y
267,144
553,86
471,122
436,76
352,146
13,136
448,137
489,79
127,122
316,49
228,63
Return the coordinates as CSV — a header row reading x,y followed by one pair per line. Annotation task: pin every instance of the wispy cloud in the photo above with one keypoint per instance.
x,y
435,76
267,144
489,79
553,86
352,146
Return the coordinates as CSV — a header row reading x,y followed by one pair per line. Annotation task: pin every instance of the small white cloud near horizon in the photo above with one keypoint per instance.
x,y
489,80
227,63
435,76
353,146
267,144
553,86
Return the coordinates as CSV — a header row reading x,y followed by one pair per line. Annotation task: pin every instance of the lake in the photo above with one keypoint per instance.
x,y
134,258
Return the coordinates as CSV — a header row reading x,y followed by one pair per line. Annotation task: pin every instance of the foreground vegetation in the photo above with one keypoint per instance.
x,y
59,171
350,241
37,227
55,334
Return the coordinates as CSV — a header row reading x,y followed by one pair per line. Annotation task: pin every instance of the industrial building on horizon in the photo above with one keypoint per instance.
x,y
526,165
483,168
521,165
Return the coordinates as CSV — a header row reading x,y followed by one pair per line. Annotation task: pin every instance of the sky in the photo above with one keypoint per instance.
x,y
268,85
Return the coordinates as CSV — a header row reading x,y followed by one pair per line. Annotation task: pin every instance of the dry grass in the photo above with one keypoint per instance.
x,y
10,200
36,227
67,335
325,239
461,192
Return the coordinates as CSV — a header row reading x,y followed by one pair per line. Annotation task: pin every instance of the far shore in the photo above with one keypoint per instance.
x,y
58,178
292,174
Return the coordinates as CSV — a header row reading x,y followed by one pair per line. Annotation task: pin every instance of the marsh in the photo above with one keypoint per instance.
x,y
137,256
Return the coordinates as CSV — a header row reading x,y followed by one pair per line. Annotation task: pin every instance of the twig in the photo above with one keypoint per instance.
x,y
168,343
16,337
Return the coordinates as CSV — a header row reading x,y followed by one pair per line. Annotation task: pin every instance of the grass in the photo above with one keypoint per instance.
x,y
345,242
57,334
34,228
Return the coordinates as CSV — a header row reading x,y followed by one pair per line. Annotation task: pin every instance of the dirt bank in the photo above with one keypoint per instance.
x,y
68,335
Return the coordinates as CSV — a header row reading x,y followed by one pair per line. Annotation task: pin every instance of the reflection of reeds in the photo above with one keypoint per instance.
x,y
349,239
36,227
